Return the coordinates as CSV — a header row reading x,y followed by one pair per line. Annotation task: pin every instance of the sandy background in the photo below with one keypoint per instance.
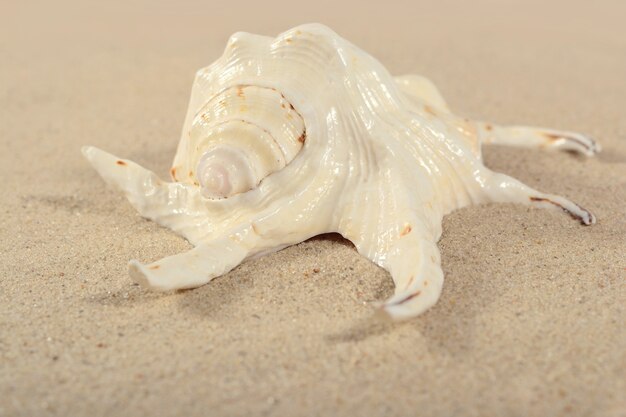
x,y
531,320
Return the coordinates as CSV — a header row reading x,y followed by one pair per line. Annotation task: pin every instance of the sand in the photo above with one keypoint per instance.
x,y
531,319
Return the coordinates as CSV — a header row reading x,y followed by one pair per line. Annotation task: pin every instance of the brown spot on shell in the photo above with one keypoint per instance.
x,y
544,199
407,229
405,299
302,137
155,267
552,137
429,110
173,173
240,92
488,127
254,229
408,284
316,270
121,163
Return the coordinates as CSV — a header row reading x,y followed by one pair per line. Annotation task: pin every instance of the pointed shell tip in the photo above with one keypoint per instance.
x,y
136,273
85,150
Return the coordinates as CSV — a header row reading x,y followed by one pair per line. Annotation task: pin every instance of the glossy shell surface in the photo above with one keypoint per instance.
x,y
289,137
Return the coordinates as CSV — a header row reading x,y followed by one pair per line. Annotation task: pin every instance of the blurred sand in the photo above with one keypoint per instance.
x,y
531,320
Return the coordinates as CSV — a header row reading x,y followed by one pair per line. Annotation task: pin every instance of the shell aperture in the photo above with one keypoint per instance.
x,y
303,134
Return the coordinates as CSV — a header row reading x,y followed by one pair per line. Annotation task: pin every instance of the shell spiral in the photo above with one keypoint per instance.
x,y
241,135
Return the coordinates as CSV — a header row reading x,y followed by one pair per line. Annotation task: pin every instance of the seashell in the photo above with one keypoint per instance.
x,y
306,134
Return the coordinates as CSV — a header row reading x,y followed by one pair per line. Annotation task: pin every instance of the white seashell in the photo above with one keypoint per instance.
x,y
305,134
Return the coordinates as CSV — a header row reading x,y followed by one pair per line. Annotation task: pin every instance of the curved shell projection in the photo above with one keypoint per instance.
x,y
303,134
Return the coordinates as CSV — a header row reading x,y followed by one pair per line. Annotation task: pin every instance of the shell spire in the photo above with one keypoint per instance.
x,y
238,137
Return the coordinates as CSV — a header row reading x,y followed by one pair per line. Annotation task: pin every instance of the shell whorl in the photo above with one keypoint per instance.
x,y
240,136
